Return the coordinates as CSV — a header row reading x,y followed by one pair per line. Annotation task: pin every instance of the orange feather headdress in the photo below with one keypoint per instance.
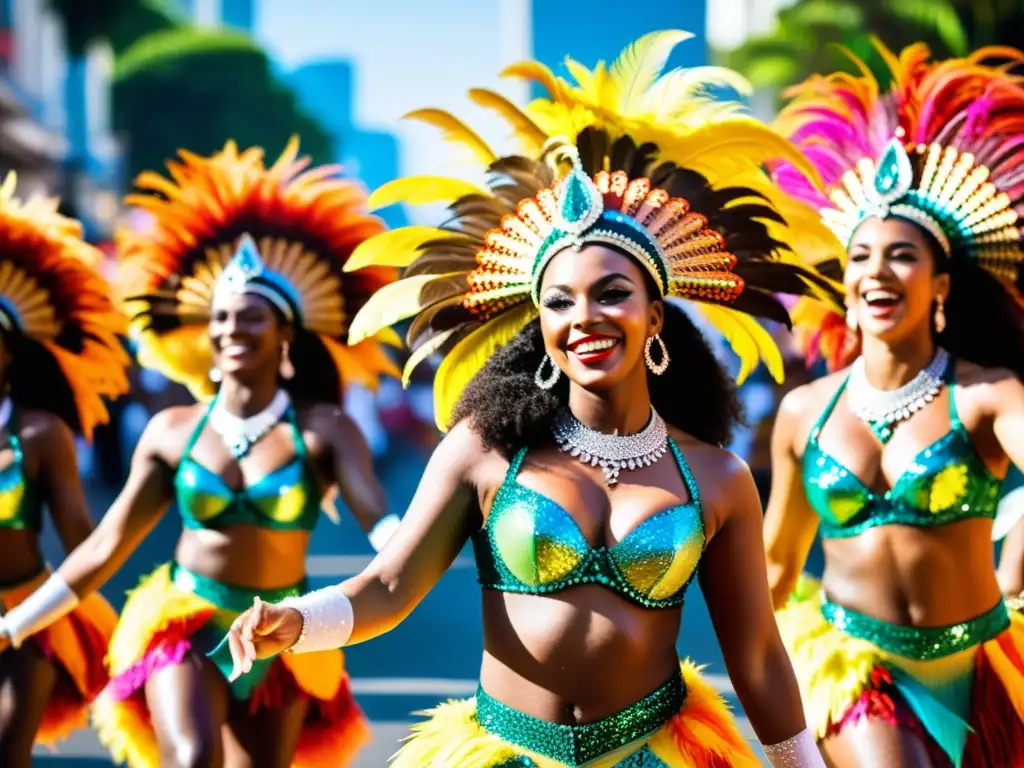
x,y
57,314
300,224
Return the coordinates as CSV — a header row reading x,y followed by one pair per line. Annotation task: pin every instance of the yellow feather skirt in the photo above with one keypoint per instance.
x,y
76,645
702,735
968,706
160,623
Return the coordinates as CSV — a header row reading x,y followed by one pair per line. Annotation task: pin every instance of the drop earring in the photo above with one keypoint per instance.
x,y
851,320
287,370
215,375
940,314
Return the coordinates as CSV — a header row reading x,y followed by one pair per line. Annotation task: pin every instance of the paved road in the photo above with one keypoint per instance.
x,y
434,655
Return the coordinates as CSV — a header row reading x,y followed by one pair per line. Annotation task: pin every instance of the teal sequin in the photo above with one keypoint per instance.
x,y
921,643
21,507
286,499
230,600
945,483
576,745
576,202
532,545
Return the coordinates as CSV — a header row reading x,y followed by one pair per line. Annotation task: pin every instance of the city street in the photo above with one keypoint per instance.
x,y
434,655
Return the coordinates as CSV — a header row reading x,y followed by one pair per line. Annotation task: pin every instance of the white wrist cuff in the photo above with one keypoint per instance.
x,y
52,601
801,751
383,530
326,619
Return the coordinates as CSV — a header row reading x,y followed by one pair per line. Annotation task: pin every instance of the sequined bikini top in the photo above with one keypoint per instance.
x,y
286,499
530,544
21,507
946,482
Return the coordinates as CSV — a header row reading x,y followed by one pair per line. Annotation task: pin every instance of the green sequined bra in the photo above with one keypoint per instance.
x,y
532,545
946,482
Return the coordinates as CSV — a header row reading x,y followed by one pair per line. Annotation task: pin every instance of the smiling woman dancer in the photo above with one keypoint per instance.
x,y
60,354
591,483
897,460
236,290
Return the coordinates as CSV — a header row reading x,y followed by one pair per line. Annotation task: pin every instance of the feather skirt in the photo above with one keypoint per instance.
x,y
968,707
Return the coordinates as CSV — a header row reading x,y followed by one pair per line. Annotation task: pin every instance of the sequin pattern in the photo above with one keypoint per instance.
x,y
287,498
20,507
921,643
575,745
946,482
531,545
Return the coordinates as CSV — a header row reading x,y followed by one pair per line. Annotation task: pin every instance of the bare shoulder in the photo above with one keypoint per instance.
x,y
991,387
43,430
724,480
808,400
168,432
327,425
464,452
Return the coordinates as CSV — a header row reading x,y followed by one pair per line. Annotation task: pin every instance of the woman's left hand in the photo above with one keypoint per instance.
x,y
263,631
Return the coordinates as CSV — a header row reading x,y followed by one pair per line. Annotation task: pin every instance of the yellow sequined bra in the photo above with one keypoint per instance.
x,y
946,482
532,545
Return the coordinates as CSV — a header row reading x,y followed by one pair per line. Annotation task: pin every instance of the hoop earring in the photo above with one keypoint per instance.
x,y
287,370
656,368
215,375
940,314
550,381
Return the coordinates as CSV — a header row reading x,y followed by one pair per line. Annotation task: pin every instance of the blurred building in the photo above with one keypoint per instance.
x,y
26,145
55,114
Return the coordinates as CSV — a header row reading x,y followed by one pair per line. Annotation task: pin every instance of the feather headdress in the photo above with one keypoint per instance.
x,y
665,173
284,227
942,146
57,312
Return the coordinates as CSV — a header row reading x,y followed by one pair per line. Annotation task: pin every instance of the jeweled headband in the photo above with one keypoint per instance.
x,y
672,243
247,273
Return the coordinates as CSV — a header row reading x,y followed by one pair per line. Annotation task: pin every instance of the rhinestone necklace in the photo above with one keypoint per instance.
x,y
883,409
612,453
241,434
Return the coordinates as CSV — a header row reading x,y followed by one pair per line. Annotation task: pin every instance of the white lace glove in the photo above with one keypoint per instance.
x,y
326,619
52,601
801,751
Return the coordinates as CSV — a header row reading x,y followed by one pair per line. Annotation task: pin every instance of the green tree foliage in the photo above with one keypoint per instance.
x,y
808,35
195,89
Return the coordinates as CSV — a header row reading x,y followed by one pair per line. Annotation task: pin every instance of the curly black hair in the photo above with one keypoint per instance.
x,y
509,411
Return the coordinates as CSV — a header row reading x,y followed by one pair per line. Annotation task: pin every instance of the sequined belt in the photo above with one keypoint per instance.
x,y
229,597
921,643
577,745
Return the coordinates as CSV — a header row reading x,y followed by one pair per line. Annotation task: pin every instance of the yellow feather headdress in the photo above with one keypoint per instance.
x,y
57,315
304,225
690,167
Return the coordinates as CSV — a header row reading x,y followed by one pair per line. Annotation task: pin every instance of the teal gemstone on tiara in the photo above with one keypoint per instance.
x,y
888,174
577,202
893,172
